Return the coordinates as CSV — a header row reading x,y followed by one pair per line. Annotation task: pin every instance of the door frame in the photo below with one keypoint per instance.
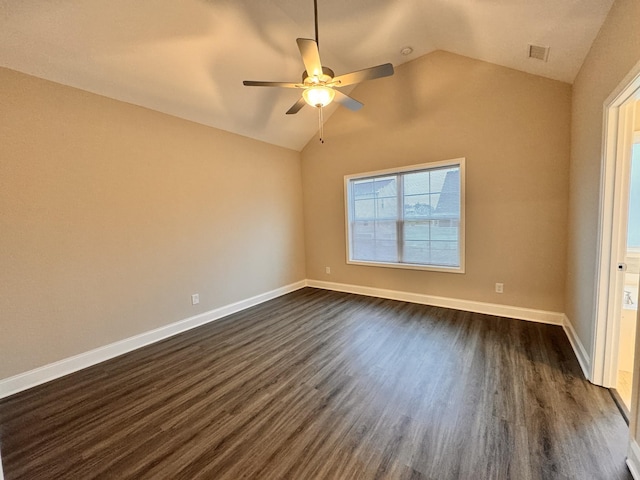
x,y
617,113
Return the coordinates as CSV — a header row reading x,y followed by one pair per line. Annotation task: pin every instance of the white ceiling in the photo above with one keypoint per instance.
x,y
188,58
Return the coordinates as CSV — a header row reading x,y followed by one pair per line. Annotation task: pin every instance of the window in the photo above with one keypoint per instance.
x,y
407,218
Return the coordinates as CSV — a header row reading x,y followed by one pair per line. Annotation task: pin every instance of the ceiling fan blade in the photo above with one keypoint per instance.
x,y
251,83
310,56
296,106
371,73
347,101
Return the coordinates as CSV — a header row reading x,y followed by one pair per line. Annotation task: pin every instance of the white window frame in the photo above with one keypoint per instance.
x,y
459,162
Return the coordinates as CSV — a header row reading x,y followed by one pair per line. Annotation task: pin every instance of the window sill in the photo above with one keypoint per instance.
x,y
408,266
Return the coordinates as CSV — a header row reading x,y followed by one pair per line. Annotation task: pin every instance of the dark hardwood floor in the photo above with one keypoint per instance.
x,y
325,385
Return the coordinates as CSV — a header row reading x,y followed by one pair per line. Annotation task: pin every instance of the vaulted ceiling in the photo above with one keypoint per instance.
x,y
188,58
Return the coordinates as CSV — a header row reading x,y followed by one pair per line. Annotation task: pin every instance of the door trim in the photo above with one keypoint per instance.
x,y
604,341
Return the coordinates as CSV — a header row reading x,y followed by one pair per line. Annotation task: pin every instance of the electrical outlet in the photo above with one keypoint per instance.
x,y
499,287
195,299
327,270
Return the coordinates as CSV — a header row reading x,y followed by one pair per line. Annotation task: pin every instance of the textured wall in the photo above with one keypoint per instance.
x,y
512,127
113,215
614,52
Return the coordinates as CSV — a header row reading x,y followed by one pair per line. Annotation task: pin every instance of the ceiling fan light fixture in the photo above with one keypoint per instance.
x,y
318,81
318,96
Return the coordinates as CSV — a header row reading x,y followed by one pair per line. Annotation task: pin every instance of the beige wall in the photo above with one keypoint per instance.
x,y
513,129
112,215
614,52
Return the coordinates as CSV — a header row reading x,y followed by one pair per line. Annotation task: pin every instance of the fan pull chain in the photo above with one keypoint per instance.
x,y
321,124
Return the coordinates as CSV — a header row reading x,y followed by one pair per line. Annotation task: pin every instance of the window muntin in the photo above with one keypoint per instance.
x,y
408,218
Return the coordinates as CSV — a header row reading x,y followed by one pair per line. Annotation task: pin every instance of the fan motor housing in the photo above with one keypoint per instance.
x,y
327,76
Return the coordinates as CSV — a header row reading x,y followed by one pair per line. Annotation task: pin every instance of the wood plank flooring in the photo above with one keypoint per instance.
x,y
325,385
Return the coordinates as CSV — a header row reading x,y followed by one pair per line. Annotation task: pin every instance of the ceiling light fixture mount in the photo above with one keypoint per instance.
x,y
319,83
406,51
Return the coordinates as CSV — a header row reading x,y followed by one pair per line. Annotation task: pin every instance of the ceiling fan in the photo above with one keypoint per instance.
x,y
319,83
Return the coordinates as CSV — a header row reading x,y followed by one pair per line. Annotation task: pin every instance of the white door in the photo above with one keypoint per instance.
x,y
614,340
628,272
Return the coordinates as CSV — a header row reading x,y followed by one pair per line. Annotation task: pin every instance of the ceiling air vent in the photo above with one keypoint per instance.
x,y
538,52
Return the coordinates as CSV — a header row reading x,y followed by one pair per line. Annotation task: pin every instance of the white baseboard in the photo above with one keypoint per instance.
x,y
46,373
633,459
540,316
32,378
578,348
